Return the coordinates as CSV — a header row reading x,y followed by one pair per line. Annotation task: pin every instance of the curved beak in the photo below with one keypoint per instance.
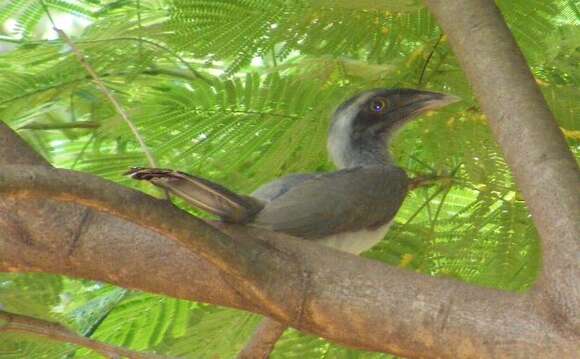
x,y
426,101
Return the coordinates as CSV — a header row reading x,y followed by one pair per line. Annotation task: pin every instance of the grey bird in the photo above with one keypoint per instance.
x,y
350,209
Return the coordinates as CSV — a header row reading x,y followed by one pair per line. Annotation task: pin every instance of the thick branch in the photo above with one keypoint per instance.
x,y
234,258
351,300
10,322
91,238
13,150
535,149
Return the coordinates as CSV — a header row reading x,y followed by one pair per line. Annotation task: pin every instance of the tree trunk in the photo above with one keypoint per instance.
x,y
534,147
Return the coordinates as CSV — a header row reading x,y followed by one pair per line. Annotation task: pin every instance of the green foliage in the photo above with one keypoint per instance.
x,y
141,322
28,13
241,92
195,343
31,296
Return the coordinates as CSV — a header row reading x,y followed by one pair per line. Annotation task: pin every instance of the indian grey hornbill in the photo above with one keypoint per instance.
x,y
350,209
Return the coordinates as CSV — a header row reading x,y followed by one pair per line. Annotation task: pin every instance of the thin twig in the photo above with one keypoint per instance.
x,y
428,59
153,71
101,86
195,74
10,322
438,210
275,63
60,126
430,180
72,107
416,213
422,163
108,94
428,207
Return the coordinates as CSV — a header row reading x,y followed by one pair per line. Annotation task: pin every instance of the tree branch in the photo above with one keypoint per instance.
x,y
54,331
344,298
543,166
262,342
232,257
350,300
13,150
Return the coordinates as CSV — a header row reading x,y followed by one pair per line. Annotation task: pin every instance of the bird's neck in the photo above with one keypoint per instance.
x,y
348,147
349,152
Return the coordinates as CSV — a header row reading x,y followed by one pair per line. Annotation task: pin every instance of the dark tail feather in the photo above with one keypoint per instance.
x,y
201,193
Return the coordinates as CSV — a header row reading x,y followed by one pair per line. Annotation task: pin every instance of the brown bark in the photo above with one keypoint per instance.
x,y
262,342
535,149
16,323
140,243
14,151
350,300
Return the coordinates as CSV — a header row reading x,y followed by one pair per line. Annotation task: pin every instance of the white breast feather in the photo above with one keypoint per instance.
x,y
355,242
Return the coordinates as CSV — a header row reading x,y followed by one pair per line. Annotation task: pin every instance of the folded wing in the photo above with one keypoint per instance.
x,y
344,201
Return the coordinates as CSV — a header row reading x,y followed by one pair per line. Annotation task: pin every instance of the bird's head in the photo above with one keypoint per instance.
x,y
362,126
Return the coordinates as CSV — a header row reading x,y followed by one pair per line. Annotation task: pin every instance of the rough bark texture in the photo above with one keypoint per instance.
x,y
14,151
354,301
68,223
534,147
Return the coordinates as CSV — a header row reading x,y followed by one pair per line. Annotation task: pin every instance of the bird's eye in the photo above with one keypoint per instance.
x,y
378,105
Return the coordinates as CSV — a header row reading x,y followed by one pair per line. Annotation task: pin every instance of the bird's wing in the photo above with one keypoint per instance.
x,y
276,188
201,193
344,201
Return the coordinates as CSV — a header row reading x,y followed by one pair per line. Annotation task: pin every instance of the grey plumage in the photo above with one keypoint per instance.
x,y
348,200
271,191
350,209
